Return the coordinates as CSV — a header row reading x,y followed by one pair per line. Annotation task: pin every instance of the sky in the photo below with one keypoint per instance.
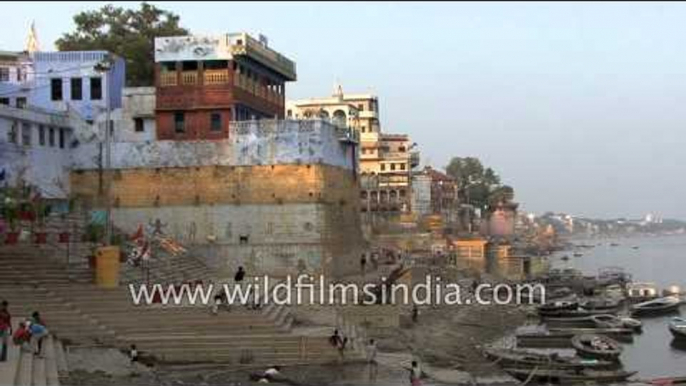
x,y
581,107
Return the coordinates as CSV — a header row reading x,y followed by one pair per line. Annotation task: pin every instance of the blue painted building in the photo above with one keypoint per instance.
x,y
68,80
14,78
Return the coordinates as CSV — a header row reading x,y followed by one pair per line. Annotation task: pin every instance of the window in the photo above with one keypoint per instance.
x,y
26,134
139,125
56,89
383,167
96,89
12,134
401,149
402,166
363,129
41,135
76,89
392,166
4,74
360,107
402,192
21,102
179,122
62,138
19,75
51,137
215,122
5,101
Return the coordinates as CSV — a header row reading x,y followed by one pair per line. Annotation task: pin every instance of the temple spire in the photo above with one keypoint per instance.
x,y
338,89
32,40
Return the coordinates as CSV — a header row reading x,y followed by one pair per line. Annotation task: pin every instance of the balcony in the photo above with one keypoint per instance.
x,y
189,78
169,79
368,114
215,77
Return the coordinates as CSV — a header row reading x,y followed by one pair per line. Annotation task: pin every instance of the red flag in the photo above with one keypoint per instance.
x,y
138,234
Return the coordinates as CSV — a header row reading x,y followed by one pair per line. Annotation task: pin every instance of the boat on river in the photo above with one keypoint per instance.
x,y
568,304
566,377
660,306
577,313
612,321
622,334
677,326
600,304
596,346
522,359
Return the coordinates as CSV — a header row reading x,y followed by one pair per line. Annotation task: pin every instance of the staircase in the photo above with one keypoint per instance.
x,y
22,368
38,278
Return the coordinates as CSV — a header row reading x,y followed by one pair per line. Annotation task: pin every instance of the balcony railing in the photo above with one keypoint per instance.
x,y
216,76
168,79
189,77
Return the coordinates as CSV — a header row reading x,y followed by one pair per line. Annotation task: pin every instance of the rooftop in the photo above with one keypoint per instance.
x,y
223,47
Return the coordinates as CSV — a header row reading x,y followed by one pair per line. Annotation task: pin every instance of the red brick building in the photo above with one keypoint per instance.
x,y
204,82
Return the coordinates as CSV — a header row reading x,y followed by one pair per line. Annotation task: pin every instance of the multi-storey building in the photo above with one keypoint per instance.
x,y
203,82
386,160
36,148
71,81
435,193
15,69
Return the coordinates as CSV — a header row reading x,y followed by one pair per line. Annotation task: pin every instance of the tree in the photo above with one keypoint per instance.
x,y
125,32
479,185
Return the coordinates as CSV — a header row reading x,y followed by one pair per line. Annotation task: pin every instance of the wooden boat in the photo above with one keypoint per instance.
x,y
566,377
564,258
658,306
632,323
569,313
623,334
524,359
612,321
613,275
596,346
677,326
559,305
571,321
600,304
577,254
544,340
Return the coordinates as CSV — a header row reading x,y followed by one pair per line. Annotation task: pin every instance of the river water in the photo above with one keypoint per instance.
x,y
659,259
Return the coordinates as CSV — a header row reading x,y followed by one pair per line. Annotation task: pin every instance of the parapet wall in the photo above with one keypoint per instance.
x,y
274,219
250,143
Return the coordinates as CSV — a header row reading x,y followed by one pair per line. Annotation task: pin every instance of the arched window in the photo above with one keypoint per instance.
x,y
339,118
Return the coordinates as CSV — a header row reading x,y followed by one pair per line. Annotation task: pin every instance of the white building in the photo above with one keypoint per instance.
x,y
36,148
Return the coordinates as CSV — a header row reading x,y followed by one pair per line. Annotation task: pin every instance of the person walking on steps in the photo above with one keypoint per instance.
x,y
415,374
5,329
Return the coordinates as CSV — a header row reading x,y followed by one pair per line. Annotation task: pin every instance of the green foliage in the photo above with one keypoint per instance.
x,y
126,33
94,232
478,185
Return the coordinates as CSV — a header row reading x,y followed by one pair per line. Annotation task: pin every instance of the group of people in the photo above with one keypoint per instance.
x,y
29,335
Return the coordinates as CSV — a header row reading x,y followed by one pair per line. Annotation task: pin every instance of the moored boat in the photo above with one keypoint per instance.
x,y
525,359
600,304
566,377
623,334
596,346
568,304
612,321
569,313
677,326
658,306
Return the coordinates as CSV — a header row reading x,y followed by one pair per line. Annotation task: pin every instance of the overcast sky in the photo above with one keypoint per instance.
x,y
580,106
